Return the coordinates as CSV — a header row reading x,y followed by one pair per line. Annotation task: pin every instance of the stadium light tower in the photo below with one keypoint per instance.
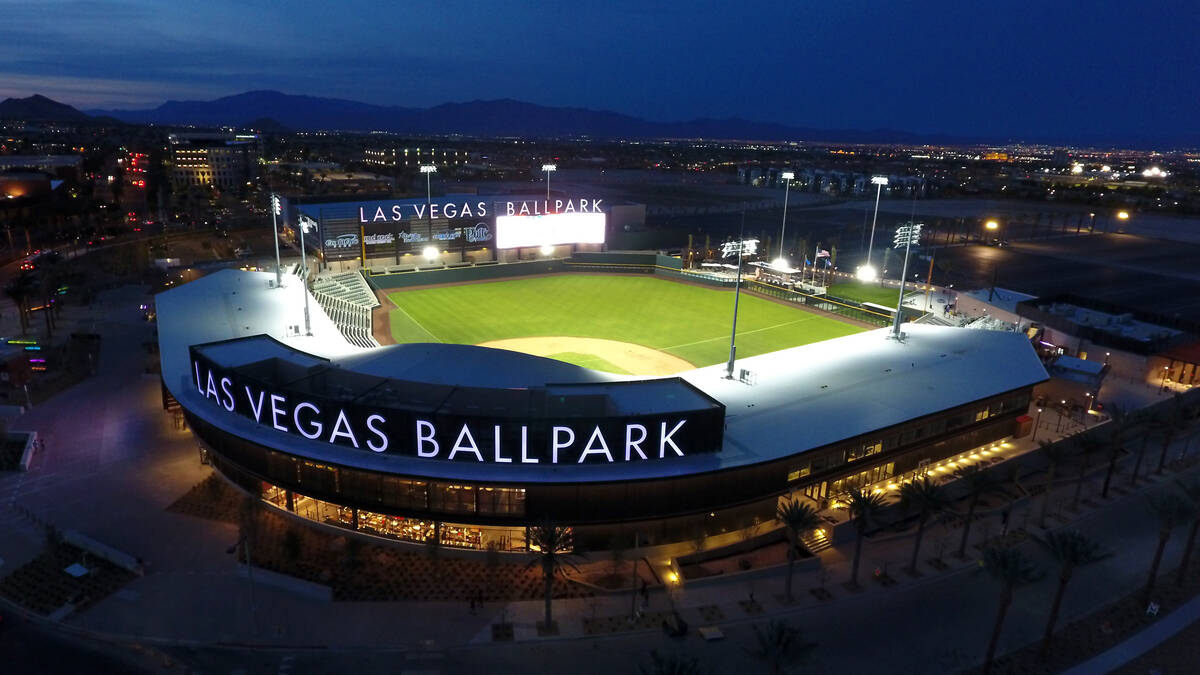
x,y
549,169
305,223
428,170
276,210
787,176
906,236
739,247
866,272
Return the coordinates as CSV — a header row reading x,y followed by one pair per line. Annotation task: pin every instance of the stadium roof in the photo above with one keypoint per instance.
x,y
802,398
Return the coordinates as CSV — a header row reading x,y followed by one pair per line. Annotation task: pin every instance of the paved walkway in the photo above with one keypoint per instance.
x,y
113,462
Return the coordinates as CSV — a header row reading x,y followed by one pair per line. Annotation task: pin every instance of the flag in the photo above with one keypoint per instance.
x,y
822,253
807,261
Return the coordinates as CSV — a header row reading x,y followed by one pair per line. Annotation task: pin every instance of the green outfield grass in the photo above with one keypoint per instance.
x,y
865,293
691,322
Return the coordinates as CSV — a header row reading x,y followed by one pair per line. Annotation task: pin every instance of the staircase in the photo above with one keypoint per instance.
x,y
815,541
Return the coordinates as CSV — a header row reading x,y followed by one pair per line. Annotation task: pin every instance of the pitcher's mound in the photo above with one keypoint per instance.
x,y
630,358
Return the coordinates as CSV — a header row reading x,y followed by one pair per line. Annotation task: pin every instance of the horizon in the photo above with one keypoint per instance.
x,y
996,72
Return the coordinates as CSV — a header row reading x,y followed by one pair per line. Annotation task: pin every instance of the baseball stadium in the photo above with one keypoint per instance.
x,y
465,402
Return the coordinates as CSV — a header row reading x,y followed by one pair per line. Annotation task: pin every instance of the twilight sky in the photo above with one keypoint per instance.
x,y
953,66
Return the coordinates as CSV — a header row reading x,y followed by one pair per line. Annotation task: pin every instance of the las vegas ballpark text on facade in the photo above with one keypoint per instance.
x,y
370,430
479,209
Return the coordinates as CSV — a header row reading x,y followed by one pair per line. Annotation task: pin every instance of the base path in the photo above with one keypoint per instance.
x,y
634,358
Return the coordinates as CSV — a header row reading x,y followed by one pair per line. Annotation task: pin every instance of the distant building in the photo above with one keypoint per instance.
x,y
217,160
411,158
61,166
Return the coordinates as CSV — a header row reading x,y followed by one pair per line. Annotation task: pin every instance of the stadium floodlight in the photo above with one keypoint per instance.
x,y
547,250
739,247
906,236
430,253
787,177
866,274
780,263
306,224
428,170
276,210
992,225
548,168
878,182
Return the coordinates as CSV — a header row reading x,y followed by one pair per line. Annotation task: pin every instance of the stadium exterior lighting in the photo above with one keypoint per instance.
x,y
547,250
549,169
780,263
906,236
866,274
304,223
787,183
430,253
276,210
879,181
428,170
992,225
739,247
1122,215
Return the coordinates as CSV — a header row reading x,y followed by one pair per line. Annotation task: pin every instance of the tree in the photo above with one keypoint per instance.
x,y
1120,424
1071,550
1191,490
553,544
1144,423
1011,568
1170,511
865,508
1054,454
1087,445
978,483
1172,420
796,518
927,498
778,644
673,664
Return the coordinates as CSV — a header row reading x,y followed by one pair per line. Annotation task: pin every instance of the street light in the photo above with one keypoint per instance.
x,y
866,273
305,222
548,168
428,170
787,177
1122,215
992,225
1037,424
276,209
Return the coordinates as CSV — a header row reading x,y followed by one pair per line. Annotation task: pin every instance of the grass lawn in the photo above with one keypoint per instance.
x,y
691,322
865,293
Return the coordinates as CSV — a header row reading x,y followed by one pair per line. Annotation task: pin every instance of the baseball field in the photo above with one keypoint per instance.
x,y
623,324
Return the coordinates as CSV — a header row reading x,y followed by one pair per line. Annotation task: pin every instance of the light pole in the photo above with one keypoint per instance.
x,y
787,176
548,168
276,210
730,248
428,170
1037,424
1163,384
866,273
906,236
305,222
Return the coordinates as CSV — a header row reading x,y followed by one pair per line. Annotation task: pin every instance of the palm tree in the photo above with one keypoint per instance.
x,y
1144,423
1054,454
927,498
1169,511
1088,445
978,483
779,644
1120,424
796,518
673,664
1011,568
1172,420
553,544
1071,550
1191,490
865,508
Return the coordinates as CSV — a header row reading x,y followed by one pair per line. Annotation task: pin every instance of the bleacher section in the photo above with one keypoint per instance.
x,y
348,300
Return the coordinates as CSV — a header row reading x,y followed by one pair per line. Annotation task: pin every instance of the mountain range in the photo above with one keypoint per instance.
x,y
276,111
496,118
